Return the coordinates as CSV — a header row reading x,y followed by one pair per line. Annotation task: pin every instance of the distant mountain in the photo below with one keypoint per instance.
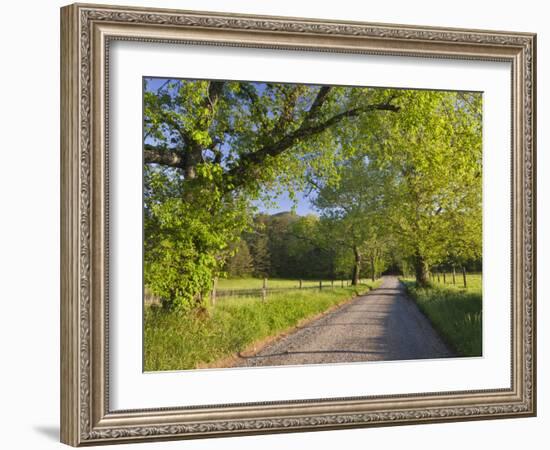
x,y
285,213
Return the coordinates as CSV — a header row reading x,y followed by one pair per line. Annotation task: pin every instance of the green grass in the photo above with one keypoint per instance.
x,y
454,311
272,283
178,340
473,282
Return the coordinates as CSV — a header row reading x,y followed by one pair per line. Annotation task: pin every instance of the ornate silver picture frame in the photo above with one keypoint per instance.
x,y
87,33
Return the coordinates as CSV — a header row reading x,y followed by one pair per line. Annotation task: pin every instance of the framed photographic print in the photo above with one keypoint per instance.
x,y
276,224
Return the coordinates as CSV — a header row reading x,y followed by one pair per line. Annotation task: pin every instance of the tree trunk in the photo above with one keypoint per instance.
x,y
372,267
214,291
166,303
192,158
356,267
421,270
198,302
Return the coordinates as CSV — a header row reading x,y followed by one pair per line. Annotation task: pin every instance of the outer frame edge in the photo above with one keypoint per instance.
x,y
69,187
70,228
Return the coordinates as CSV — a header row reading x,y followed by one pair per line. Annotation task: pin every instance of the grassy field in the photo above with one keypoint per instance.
x,y
177,340
272,283
454,311
237,284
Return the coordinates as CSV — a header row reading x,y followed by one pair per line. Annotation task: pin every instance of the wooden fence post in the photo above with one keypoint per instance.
x,y
454,275
464,275
213,295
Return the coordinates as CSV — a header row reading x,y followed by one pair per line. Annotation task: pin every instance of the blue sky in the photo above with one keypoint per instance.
x,y
284,203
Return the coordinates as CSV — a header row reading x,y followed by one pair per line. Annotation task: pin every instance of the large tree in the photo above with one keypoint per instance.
x,y
354,212
412,184
210,147
433,152
244,127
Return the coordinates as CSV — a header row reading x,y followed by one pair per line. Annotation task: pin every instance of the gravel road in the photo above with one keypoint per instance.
x,y
383,325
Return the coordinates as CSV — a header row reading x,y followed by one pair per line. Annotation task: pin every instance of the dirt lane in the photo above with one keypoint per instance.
x,y
380,326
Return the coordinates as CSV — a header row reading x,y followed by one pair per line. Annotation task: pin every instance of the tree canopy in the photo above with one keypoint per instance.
x,y
391,172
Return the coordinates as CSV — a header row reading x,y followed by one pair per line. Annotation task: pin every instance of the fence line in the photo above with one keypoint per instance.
x,y
436,273
217,294
265,290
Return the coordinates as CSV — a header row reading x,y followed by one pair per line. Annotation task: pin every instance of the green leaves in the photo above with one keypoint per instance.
x,y
390,184
410,184
435,151
189,230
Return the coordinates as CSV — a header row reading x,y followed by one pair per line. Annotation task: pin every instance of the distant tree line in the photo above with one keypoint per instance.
x,y
284,245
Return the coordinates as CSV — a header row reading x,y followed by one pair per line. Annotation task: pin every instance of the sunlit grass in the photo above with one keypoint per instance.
x,y
180,340
454,310
473,281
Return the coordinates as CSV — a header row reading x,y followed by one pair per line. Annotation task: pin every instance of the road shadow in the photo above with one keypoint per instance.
x,y
314,352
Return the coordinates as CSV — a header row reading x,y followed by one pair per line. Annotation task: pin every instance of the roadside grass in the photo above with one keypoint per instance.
x,y
455,311
178,340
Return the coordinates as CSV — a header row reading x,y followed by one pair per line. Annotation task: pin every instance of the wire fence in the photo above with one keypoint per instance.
x,y
455,277
265,290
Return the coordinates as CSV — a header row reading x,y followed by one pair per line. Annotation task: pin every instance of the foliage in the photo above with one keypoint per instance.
x,y
396,175
432,155
411,189
354,214
258,243
186,241
211,148
241,263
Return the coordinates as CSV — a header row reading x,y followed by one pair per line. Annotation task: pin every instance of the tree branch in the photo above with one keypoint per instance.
x,y
184,159
305,131
164,156
214,90
289,104
320,99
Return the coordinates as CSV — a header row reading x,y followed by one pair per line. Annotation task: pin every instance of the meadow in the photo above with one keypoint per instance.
x,y
177,340
272,283
454,310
